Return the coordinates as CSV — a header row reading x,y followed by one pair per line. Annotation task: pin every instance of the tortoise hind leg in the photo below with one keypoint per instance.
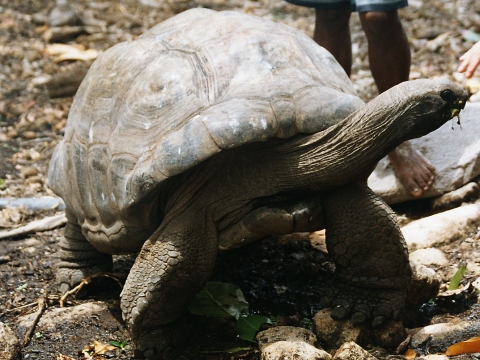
x,y
274,218
372,273
78,258
173,265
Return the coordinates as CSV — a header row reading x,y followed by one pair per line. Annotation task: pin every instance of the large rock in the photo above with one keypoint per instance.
x,y
454,153
9,344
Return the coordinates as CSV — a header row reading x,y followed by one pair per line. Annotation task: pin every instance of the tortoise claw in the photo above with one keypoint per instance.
x,y
358,318
378,320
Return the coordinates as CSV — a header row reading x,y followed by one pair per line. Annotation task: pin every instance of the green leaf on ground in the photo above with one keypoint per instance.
x,y
455,281
248,326
119,344
1,181
219,299
22,287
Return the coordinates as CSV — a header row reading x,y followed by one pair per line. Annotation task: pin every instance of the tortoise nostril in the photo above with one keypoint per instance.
x,y
447,95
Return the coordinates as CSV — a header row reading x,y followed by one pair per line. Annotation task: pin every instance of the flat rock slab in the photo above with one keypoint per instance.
x,y
454,153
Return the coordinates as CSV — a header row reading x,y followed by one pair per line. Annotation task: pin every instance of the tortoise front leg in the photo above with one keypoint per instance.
x,y
372,273
173,265
79,258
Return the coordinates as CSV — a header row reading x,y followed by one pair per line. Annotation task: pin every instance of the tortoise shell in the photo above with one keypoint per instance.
x,y
190,87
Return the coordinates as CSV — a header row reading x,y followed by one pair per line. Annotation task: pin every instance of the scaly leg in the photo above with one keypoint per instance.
x,y
173,265
372,269
79,258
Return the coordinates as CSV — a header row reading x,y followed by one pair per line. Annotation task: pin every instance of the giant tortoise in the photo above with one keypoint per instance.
x,y
214,129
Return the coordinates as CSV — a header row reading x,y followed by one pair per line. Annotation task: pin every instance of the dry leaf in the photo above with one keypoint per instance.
x,y
410,354
317,240
64,357
101,348
464,347
57,49
90,54
70,52
7,23
461,289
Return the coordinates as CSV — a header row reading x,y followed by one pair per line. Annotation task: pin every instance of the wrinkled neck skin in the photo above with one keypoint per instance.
x,y
350,150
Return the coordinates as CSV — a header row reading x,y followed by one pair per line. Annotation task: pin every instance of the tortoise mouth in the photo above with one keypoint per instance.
x,y
455,107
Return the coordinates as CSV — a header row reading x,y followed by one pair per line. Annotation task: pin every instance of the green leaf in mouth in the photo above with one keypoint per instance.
x,y
453,112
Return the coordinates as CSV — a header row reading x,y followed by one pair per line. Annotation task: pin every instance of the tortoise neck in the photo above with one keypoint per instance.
x,y
350,150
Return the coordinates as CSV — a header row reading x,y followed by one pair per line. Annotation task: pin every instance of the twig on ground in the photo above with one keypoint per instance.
x,y
44,224
86,281
42,304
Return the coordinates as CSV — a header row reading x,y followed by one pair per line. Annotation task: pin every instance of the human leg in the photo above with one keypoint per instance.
x,y
389,56
388,48
332,31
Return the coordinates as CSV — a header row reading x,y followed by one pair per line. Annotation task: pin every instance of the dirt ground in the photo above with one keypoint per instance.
x,y
32,120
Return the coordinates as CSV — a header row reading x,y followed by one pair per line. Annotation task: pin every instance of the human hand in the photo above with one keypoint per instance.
x,y
470,60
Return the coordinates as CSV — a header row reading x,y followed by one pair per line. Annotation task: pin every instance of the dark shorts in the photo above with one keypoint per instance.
x,y
355,5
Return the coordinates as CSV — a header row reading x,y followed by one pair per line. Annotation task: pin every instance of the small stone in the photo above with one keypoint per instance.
x,y
63,14
285,333
34,180
297,350
29,135
28,172
4,259
12,133
429,256
352,351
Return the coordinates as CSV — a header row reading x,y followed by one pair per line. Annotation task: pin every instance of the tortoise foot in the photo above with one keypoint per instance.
x,y
364,305
69,276
160,342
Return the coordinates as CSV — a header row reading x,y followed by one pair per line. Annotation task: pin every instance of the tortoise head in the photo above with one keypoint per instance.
x,y
426,104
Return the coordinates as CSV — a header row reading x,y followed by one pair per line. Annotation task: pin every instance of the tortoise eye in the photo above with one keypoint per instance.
x,y
447,95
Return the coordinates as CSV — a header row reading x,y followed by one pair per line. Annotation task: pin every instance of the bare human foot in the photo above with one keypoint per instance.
x,y
413,170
